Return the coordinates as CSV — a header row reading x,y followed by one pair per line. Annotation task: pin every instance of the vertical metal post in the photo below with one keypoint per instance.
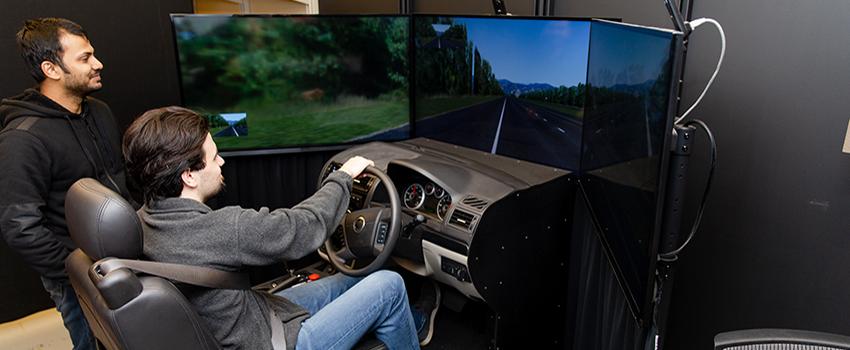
x,y
544,7
674,202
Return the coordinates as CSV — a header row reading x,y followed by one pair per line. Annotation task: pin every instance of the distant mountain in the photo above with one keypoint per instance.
x,y
641,87
516,89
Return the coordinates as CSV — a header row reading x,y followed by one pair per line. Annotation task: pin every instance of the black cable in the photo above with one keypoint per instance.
x,y
673,255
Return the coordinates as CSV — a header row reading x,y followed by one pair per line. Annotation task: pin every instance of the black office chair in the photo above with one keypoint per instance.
x,y
779,339
126,310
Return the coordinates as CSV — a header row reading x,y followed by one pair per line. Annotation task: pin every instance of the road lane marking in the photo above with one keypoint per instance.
x,y
562,131
499,128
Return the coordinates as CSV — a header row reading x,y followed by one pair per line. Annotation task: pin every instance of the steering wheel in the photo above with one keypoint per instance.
x,y
368,233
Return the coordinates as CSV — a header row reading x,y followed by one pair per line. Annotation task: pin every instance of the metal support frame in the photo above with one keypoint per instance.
x,y
544,7
674,201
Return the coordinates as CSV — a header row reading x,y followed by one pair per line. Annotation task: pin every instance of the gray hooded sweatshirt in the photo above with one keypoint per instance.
x,y
185,231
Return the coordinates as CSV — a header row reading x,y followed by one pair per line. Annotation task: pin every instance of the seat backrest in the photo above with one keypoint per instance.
x,y
779,339
125,311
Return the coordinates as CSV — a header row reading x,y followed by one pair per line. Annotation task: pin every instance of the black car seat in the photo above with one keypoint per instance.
x,y
127,309
124,310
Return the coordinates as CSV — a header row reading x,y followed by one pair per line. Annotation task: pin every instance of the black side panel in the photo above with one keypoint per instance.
x,y
520,266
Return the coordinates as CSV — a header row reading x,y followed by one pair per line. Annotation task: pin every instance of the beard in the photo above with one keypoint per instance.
x,y
82,85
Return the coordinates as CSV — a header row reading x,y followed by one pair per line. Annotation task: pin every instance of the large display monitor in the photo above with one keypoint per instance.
x,y
506,85
633,75
273,82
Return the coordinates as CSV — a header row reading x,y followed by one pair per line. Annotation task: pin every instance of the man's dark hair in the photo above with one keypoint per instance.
x,y
160,145
38,40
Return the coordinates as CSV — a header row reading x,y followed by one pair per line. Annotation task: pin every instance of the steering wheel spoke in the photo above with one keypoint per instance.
x,y
344,255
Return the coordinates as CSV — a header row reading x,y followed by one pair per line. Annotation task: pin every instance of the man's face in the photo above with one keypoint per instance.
x,y
211,180
81,75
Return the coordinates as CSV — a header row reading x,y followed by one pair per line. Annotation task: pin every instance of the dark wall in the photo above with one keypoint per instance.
x,y
771,251
467,7
132,39
472,7
359,7
644,12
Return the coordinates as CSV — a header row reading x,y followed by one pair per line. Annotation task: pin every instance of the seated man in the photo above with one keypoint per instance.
x,y
171,155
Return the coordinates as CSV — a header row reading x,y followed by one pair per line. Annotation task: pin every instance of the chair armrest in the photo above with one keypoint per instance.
x,y
780,336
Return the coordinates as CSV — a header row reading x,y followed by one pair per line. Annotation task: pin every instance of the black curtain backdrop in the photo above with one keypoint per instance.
x,y
133,39
599,316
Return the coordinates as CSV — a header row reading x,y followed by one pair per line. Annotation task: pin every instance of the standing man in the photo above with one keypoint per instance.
x,y
52,135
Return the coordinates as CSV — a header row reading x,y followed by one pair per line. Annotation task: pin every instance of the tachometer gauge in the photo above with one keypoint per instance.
x,y
443,207
414,196
439,192
429,188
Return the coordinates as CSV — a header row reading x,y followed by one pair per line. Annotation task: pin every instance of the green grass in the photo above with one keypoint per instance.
x,y
213,131
431,106
575,112
301,123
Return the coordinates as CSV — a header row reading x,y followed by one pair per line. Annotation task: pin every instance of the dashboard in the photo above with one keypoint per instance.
x,y
467,202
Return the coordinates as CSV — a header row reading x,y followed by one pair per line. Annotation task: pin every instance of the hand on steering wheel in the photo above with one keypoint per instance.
x,y
368,233
356,165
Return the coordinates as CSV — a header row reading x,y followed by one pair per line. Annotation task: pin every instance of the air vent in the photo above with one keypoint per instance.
x,y
475,202
462,219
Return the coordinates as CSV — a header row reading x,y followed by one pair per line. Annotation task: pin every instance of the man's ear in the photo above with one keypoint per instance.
x,y
51,70
189,179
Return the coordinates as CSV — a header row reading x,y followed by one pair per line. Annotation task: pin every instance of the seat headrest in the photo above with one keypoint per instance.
x,y
101,222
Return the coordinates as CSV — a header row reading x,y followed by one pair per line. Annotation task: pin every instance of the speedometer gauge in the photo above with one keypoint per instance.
x,y
414,196
443,207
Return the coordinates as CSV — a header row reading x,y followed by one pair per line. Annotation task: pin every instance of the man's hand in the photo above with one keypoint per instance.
x,y
355,165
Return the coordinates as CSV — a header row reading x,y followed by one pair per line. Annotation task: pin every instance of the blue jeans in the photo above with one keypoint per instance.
x,y
72,315
345,308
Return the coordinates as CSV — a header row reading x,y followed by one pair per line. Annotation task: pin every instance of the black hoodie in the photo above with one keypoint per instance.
x,y
44,149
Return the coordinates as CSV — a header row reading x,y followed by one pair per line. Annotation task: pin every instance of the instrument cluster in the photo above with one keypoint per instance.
x,y
427,197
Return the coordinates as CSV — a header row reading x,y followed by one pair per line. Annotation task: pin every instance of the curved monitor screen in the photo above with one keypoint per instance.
x,y
294,81
509,86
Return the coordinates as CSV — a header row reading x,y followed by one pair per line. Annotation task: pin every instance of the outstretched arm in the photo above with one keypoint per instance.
x,y
286,234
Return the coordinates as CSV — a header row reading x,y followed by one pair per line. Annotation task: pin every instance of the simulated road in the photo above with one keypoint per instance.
x,y
511,127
